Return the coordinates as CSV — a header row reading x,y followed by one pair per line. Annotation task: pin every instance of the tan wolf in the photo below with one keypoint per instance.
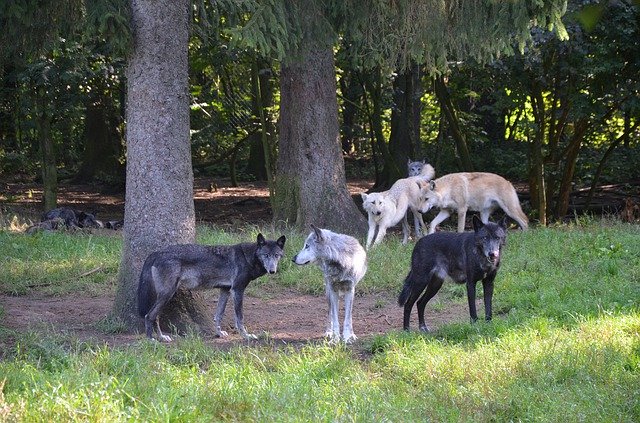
x,y
475,191
385,209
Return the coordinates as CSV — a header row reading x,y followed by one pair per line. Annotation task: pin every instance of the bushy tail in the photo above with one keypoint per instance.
x,y
146,292
406,290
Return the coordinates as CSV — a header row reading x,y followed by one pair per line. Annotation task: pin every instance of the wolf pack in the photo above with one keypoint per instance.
x,y
463,257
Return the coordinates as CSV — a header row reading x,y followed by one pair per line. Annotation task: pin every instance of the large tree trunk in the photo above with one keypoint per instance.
x,y
310,183
159,207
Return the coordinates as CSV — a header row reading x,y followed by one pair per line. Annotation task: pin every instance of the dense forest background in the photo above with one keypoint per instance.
x,y
560,113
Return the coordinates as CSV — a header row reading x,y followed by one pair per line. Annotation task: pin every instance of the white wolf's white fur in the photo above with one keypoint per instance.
x,y
475,191
385,209
343,262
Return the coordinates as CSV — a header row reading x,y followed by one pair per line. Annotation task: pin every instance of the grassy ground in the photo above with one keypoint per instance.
x,y
564,346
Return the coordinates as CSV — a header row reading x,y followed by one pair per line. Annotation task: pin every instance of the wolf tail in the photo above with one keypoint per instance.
x,y
146,292
406,290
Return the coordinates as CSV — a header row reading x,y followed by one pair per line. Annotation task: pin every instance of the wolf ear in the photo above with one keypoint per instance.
x,y
432,185
477,223
424,161
363,195
280,241
408,161
261,240
318,233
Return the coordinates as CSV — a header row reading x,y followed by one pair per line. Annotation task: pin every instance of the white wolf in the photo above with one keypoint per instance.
x,y
343,262
420,168
385,209
476,191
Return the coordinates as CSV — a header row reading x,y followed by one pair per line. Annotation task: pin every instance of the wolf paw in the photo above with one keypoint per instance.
x,y
164,338
332,337
221,334
348,339
249,336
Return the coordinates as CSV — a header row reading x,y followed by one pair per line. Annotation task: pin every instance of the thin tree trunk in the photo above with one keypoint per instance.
x,y
405,135
374,87
310,183
101,143
159,207
449,111
47,152
603,161
564,193
537,176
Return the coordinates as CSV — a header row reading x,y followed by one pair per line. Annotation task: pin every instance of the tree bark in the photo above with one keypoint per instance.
x,y
159,208
571,158
537,172
449,111
47,152
310,186
101,143
405,131
261,142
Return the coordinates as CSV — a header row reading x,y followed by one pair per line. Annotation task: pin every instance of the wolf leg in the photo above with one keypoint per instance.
x,y
382,231
433,286
471,298
405,229
152,318
418,222
238,296
484,215
372,231
417,286
347,331
487,288
333,326
462,217
443,215
217,318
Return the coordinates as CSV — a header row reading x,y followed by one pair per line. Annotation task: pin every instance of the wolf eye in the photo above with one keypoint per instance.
x,y
306,246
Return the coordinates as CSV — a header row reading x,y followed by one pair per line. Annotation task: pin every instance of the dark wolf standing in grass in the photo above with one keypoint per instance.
x,y
190,266
343,262
463,257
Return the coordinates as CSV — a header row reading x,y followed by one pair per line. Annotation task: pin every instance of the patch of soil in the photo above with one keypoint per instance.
x,y
276,318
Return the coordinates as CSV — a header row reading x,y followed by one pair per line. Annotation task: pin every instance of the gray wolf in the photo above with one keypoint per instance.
x,y
465,258
476,191
191,266
72,218
385,209
343,262
420,168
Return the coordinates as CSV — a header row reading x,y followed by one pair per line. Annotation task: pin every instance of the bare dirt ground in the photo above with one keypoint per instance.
x,y
277,316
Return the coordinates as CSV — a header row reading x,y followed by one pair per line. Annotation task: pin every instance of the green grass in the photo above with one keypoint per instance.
x,y
564,345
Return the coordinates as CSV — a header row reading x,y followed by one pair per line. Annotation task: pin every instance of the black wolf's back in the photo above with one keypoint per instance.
x,y
146,291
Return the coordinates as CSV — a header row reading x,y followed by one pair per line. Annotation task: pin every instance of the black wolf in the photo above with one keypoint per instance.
x,y
191,266
72,218
463,257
